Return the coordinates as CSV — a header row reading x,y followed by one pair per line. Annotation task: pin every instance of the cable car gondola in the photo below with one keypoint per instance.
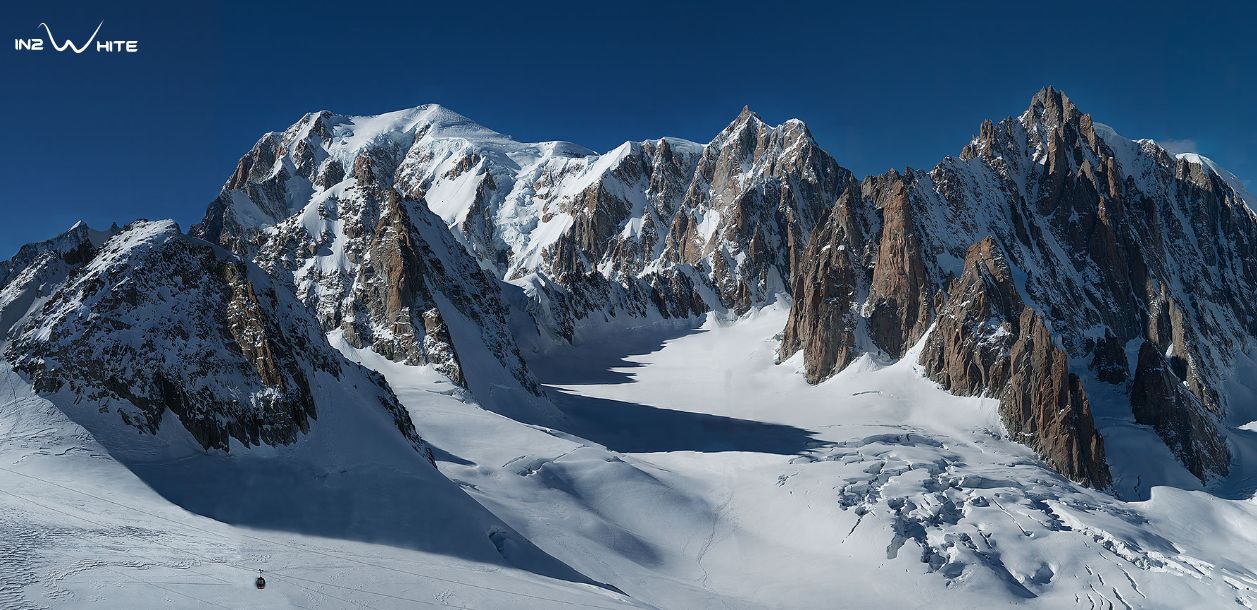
x,y
260,583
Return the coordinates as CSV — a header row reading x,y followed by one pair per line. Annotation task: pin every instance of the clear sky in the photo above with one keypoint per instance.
x,y
112,137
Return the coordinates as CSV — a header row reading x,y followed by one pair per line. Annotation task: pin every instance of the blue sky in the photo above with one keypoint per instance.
x,y
106,138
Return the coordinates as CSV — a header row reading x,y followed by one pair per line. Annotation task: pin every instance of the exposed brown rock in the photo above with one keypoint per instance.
x,y
823,318
330,172
392,290
900,303
683,241
226,357
987,342
247,324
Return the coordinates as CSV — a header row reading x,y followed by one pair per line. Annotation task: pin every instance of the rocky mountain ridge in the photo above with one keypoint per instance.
x,y
148,323
1112,244
1052,262
682,228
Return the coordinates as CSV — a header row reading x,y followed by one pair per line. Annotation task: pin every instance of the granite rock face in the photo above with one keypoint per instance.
x,y
900,302
373,262
1111,243
151,322
827,290
986,341
759,191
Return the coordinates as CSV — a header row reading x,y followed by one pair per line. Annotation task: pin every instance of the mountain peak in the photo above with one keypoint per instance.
x,y
434,116
745,117
1051,107
1047,92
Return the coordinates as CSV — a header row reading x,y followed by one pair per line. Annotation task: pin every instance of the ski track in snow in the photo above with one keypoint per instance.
x,y
697,474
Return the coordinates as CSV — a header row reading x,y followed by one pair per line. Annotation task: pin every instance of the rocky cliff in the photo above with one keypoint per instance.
x,y
1110,243
366,253
986,341
150,323
663,228
1159,398
829,287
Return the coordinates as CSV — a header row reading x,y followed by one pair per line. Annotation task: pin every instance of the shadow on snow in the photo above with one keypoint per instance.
x,y
636,428
629,427
599,360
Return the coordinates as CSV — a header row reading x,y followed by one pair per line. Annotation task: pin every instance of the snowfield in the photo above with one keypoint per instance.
x,y
77,528
689,470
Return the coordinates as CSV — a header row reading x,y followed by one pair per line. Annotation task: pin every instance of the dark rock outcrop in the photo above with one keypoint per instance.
x,y
1159,398
158,322
403,322
900,303
1114,242
988,342
826,292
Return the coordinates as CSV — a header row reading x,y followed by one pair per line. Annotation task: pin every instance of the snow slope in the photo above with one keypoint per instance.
x,y
77,528
663,226
158,380
695,473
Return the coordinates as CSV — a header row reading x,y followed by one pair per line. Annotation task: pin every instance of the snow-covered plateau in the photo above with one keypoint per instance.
x,y
406,361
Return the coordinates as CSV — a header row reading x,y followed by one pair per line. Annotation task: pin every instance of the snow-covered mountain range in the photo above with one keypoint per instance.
x,y
361,281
